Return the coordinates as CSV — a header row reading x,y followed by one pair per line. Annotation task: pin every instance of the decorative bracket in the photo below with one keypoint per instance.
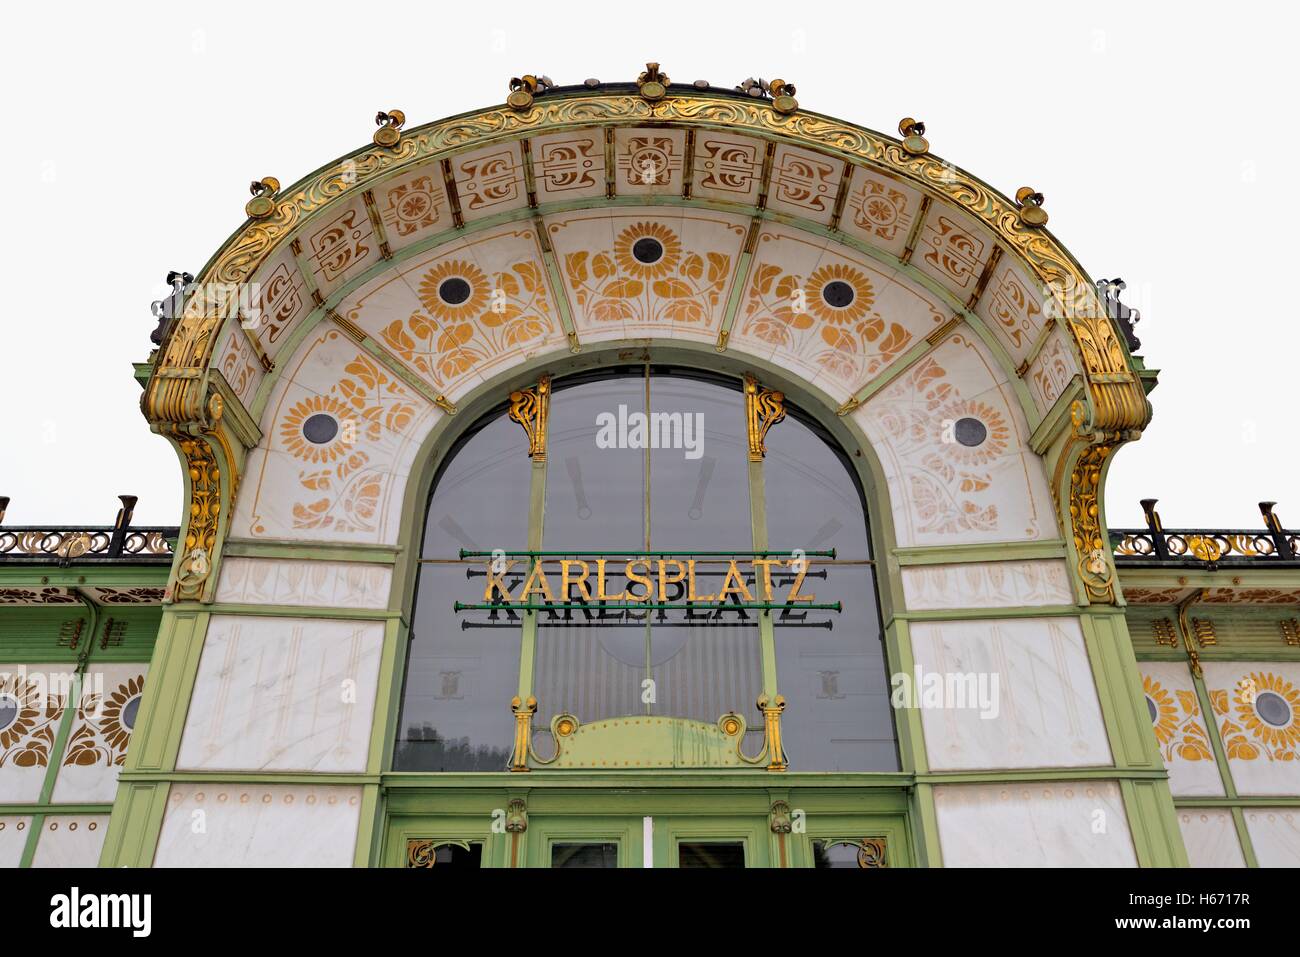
x,y
764,408
530,407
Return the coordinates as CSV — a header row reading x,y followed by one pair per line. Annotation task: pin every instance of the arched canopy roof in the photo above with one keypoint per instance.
x,y
847,257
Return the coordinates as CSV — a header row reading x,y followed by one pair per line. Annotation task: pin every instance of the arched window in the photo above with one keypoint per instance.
x,y
651,466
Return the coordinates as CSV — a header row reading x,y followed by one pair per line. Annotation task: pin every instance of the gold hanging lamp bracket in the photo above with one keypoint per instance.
x,y
764,408
529,407
913,133
262,204
390,126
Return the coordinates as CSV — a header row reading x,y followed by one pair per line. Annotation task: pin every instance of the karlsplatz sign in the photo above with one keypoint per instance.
x,y
541,581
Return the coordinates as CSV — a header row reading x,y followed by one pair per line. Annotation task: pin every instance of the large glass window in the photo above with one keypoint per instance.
x,y
682,487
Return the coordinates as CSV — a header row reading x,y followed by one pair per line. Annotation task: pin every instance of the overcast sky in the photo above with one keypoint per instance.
x,y
1162,134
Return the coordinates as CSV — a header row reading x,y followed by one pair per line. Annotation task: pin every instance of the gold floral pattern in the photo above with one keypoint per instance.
x,y
852,340
102,735
1249,736
676,287
352,485
1177,724
344,439
506,310
27,741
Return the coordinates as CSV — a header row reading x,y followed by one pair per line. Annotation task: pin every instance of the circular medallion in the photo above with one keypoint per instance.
x,y
320,428
648,250
454,291
838,294
387,136
970,432
653,90
1273,709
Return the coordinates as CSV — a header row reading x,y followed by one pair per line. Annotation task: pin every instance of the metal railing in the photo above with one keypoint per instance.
x,y
65,544
1206,547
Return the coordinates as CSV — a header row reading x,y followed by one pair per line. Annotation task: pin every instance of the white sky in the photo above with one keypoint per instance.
x,y
1162,135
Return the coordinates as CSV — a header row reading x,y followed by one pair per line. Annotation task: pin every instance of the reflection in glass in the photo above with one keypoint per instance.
x,y
830,666
461,673
584,855
711,854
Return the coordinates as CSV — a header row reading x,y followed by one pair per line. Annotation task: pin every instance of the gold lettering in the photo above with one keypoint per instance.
x,y
739,588
497,582
568,580
640,580
802,565
600,584
537,583
765,565
690,584
664,580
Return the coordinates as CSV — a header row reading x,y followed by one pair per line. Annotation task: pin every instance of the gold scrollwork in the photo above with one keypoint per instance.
x,y
524,711
529,407
764,408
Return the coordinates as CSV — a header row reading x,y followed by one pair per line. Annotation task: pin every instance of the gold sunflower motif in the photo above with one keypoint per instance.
x,y
298,445
954,434
432,291
17,690
117,734
626,243
1265,685
1165,722
820,300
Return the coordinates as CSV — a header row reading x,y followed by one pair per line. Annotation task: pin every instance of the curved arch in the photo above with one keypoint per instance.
x,y
983,254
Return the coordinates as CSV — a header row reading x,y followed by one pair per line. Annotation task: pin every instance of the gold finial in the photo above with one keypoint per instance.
x,y
1031,206
521,92
764,408
524,88
263,202
390,125
913,133
783,100
653,84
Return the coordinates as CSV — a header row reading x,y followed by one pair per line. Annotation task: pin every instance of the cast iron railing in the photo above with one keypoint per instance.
x,y
65,544
1272,546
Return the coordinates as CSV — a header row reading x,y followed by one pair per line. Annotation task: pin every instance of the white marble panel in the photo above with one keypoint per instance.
x,y
1210,837
13,838
1078,824
1035,674
1275,835
1180,729
284,694
266,581
1257,706
987,585
71,840
247,825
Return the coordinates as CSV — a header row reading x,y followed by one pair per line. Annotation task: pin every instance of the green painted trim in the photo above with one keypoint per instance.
x,y
1153,823
536,525
370,554
1246,801
107,575
251,777
1244,838
1062,774
289,611
165,703
93,808
1212,730
135,824
1057,418
983,552
540,778
989,614
369,824
35,827
66,720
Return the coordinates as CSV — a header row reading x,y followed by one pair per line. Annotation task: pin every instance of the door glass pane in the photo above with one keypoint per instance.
x,y
462,670
451,855
711,854
584,855
830,665
835,855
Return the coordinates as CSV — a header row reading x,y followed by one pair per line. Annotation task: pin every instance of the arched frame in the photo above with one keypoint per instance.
x,y
214,425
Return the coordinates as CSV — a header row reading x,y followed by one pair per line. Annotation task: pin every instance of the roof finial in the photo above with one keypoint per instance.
x,y
653,83
263,202
913,133
522,89
390,126
1031,206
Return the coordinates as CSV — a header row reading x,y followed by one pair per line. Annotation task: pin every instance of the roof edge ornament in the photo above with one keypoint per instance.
x,y
653,83
524,88
262,204
781,93
1030,203
913,133
390,126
